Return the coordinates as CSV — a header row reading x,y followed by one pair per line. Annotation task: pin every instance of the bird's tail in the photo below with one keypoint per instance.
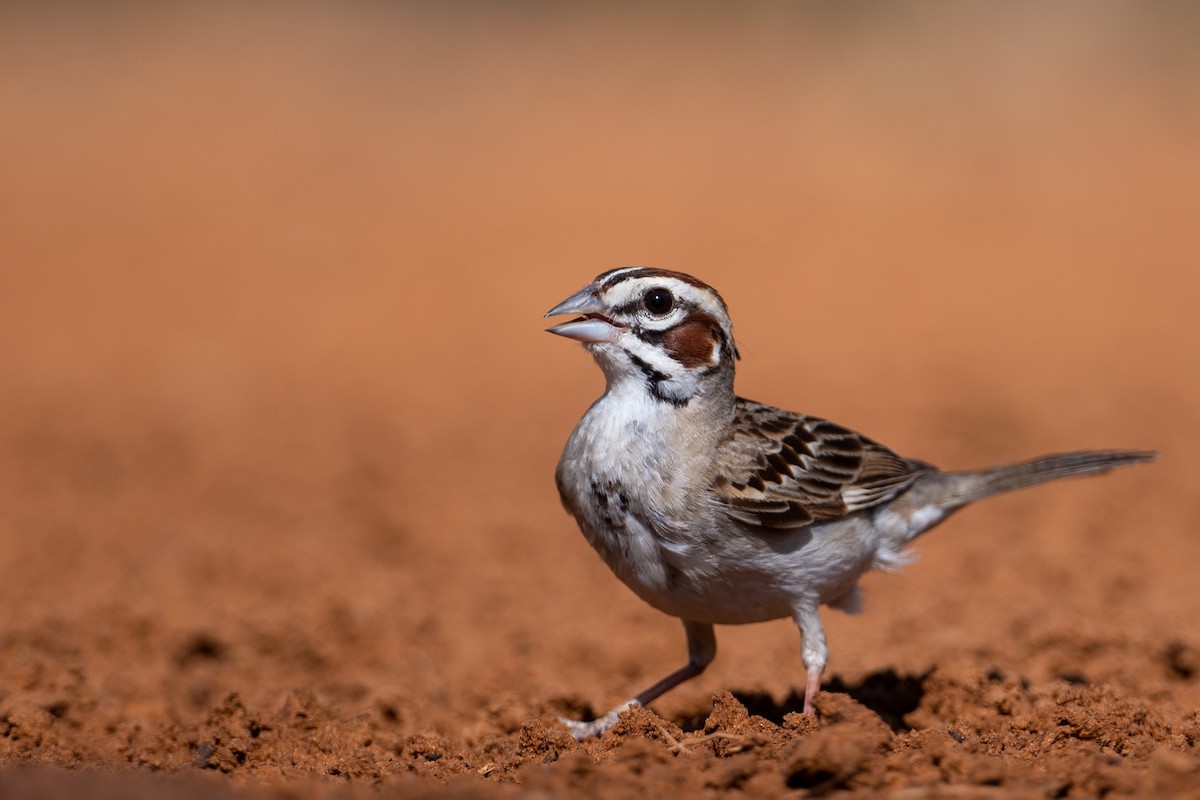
x,y
976,485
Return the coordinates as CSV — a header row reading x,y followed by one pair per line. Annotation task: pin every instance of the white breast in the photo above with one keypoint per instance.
x,y
640,493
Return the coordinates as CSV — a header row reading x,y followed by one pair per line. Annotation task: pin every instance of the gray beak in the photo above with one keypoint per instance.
x,y
593,327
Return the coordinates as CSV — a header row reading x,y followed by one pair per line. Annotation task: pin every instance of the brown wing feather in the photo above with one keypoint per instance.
x,y
786,470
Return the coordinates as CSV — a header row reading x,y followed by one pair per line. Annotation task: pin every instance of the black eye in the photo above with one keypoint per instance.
x,y
658,301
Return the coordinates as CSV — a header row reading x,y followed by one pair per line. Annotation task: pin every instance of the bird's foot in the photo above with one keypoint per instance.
x,y
598,726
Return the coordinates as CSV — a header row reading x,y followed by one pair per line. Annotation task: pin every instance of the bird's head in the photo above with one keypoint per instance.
x,y
666,329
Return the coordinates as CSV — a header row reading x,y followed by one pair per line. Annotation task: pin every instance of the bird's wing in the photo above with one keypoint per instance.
x,y
784,470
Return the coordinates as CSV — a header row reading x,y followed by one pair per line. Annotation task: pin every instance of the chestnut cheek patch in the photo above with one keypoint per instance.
x,y
691,342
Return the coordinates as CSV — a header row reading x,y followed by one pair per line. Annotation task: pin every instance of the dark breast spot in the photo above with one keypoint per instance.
x,y
612,503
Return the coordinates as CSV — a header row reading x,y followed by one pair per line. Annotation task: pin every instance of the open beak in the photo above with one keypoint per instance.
x,y
593,326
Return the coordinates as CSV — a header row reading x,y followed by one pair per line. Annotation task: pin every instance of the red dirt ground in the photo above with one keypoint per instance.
x,y
278,420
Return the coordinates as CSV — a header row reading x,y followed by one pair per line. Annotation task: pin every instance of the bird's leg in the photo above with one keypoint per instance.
x,y
702,649
814,652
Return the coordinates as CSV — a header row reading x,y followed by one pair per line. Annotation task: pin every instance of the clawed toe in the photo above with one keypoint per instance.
x,y
597,727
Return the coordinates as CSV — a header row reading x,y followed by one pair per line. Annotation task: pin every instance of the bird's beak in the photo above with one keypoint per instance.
x,y
593,326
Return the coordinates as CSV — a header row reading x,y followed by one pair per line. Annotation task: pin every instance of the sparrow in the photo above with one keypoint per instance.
x,y
720,510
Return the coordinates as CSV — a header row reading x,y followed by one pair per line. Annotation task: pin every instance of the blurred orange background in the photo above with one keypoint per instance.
x,y
272,278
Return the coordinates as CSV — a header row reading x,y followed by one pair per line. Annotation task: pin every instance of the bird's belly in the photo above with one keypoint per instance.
x,y
719,606
734,580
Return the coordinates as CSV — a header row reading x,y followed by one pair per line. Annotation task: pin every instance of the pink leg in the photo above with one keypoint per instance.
x,y
702,649
815,653
811,687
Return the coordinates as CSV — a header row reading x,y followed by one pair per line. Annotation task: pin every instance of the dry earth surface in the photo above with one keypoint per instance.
x,y
278,420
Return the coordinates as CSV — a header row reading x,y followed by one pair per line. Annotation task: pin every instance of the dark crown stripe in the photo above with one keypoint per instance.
x,y
613,277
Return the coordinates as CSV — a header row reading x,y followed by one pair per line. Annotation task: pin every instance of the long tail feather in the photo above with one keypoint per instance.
x,y
969,486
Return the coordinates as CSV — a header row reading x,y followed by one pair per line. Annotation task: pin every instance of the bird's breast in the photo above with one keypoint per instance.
x,y
623,480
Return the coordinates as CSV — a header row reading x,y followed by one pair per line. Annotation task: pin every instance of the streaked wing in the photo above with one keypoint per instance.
x,y
786,470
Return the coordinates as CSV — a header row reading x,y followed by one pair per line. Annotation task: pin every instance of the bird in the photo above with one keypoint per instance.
x,y
720,510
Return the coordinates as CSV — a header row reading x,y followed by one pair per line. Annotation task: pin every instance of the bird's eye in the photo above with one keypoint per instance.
x,y
658,301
